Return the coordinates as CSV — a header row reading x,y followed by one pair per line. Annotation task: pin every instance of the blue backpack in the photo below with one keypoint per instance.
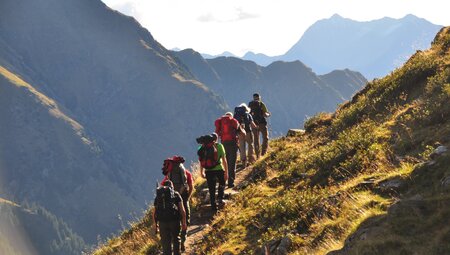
x,y
240,113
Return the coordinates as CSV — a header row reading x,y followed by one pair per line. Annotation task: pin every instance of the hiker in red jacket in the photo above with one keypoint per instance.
x,y
175,171
226,128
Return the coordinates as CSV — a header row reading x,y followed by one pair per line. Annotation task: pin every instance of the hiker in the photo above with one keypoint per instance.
x,y
259,113
174,170
226,128
242,114
168,215
213,166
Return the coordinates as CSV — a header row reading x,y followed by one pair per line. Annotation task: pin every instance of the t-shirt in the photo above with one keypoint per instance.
x,y
220,154
258,111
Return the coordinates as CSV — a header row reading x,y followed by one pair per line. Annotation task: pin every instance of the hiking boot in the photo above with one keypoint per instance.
x,y
230,185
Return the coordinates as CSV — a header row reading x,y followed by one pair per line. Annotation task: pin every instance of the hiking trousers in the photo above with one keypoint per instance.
x,y
246,140
261,129
187,208
231,149
170,237
212,177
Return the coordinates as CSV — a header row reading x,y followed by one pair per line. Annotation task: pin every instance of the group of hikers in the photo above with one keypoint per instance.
x,y
239,131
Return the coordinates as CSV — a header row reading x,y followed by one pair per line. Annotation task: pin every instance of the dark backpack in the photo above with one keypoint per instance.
x,y
208,155
239,113
166,208
257,112
175,172
244,118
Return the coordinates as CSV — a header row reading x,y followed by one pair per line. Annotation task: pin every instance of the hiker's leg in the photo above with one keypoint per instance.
x,y
211,181
187,208
188,216
249,140
232,169
231,153
166,238
221,178
175,234
255,132
265,138
242,140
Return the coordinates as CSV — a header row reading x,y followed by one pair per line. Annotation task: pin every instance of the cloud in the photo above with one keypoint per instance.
x,y
237,14
242,15
209,17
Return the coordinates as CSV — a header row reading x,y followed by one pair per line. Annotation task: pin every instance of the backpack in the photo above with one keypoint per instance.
x,y
174,169
227,131
257,112
208,155
239,113
166,208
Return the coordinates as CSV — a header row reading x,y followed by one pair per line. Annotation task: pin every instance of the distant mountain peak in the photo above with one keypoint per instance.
x,y
336,16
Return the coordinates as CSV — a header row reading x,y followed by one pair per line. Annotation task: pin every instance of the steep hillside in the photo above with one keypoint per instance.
x,y
34,230
373,48
47,158
360,177
372,178
103,104
291,90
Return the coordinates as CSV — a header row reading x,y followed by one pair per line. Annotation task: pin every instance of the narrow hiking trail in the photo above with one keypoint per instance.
x,y
201,218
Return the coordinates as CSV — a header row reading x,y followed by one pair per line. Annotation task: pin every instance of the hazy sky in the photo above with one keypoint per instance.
x,y
262,26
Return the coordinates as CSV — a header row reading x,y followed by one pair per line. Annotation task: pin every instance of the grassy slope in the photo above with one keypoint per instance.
x,y
358,177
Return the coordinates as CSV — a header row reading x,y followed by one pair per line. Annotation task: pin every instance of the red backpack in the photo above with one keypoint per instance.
x,y
227,131
208,155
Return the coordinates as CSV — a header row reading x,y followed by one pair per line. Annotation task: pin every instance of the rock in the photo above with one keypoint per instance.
x,y
446,182
438,151
393,184
276,247
295,132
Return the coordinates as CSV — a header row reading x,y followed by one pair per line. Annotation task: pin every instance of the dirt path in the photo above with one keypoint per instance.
x,y
201,219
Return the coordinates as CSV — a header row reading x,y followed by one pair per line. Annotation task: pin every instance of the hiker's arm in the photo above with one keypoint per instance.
x,y
190,187
183,215
202,171
225,167
264,109
253,124
154,221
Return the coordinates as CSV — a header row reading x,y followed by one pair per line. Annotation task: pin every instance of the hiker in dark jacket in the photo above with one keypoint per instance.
x,y
259,113
168,223
185,195
227,129
218,172
242,114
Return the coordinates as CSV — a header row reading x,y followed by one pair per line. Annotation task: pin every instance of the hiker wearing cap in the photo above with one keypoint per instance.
x,y
259,112
174,171
227,129
168,216
213,166
246,124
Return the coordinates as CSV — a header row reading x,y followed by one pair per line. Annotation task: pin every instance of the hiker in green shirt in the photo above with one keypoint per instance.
x,y
213,167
